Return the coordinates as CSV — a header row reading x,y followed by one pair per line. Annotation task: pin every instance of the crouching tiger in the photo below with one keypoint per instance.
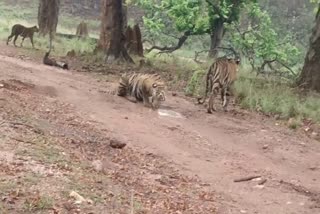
x,y
220,76
146,88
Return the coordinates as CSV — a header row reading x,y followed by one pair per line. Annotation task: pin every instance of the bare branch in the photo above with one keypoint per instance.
x,y
196,55
171,49
287,67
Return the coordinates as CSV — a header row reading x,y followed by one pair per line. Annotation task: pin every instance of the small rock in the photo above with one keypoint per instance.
x,y
1,85
79,199
313,168
50,174
277,116
68,206
126,118
116,144
314,135
266,146
174,94
89,201
243,211
97,165
172,128
289,202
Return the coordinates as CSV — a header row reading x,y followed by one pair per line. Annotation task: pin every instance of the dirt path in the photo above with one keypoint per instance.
x,y
217,148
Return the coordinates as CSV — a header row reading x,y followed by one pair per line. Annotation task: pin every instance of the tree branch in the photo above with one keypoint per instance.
x,y
287,67
196,55
231,49
216,9
171,49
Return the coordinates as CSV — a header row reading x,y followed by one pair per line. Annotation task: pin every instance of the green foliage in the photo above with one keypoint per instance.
x,y
261,42
195,16
196,84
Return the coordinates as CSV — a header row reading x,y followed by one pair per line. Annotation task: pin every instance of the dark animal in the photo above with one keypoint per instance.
x,y
53,62
221,75
20,30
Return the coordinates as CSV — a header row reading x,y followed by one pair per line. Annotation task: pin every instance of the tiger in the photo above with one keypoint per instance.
x,y
146,88
220,76
24,32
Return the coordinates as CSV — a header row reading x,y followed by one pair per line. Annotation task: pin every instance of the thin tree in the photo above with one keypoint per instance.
x,y
310,75
112,38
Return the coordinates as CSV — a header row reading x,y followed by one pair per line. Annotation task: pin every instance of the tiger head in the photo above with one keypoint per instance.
x,y
235,62
157,94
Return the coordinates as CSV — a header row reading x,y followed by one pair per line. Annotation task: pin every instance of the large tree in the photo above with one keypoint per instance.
x,y
48,13
310,75
112,38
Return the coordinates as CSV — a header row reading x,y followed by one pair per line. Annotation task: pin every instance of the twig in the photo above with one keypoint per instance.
x,y
21,140
36,130
247,178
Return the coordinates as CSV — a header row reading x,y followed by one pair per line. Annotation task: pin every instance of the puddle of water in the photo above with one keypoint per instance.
x,y
169,113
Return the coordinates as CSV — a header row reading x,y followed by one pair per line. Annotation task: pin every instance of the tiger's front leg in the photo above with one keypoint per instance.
x,y
146,101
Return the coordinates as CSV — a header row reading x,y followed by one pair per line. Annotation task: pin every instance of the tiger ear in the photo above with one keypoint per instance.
x,y
154,85
238,61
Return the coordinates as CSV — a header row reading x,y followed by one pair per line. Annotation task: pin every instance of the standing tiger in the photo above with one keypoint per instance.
x,y
148,88
23,31
220,76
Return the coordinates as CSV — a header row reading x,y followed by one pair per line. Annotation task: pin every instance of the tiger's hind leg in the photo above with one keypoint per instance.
x,y
214,91
222,96
15,39
226,98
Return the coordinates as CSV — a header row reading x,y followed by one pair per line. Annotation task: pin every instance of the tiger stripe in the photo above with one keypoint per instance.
x,y
148,88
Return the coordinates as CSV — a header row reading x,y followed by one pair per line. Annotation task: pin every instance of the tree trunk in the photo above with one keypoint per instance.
x,y
113,38
216,37
106,25
310,75
48,13
106,18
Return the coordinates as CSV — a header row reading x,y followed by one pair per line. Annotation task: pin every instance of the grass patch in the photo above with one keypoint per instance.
x,y
42,150
38,203
272,96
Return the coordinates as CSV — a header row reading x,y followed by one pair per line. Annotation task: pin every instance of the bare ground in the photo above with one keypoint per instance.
x,y
55,131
